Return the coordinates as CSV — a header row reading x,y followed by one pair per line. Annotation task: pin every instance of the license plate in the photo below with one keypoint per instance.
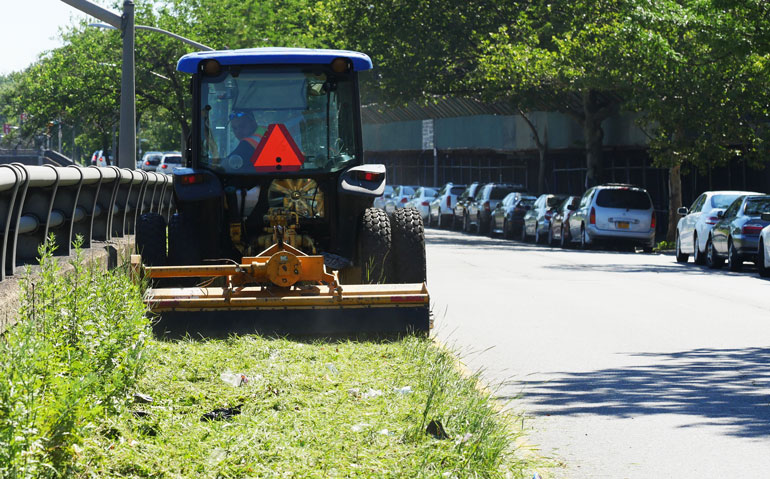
x,y
622,225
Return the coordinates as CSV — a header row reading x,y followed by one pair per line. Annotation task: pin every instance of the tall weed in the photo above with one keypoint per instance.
x,y
73,357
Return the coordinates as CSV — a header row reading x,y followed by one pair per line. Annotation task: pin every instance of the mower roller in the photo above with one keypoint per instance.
x,y
275,230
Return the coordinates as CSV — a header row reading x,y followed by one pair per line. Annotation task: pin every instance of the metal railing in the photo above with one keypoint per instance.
x,y
96,203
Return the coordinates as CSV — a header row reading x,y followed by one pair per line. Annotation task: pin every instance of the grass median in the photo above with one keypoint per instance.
x,y
250,406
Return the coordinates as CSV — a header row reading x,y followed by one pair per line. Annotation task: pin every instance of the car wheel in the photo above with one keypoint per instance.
x,y
563,240
763,270
697,256
713,260
734,261
479,229
466,225
583,238
680,257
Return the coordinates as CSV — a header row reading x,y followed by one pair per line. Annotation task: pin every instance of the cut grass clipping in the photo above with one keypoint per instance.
x,y
253,407
84,393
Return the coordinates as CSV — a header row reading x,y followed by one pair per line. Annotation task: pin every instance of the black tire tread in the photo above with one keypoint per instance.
x,y
151,239
183,249
408,236
375,246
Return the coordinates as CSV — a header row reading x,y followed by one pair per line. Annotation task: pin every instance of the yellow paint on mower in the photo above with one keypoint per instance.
x,y
283,280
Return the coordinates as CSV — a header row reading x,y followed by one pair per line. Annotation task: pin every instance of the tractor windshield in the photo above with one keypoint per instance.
x,y
277,121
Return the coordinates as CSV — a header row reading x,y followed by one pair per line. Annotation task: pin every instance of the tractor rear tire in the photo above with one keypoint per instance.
x,y
374,246
183,247
151,239
408,246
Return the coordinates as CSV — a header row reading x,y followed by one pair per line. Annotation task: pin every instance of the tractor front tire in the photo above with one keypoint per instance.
x,y
151,239
374,246
408,246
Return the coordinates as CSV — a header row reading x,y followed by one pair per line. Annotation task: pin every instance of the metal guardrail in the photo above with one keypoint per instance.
x,y
97,203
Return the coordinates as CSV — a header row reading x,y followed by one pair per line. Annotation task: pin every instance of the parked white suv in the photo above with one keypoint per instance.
x,y
614,213
696,223
442,208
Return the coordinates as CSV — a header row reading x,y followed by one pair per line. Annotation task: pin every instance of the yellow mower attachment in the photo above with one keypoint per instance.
x,y
283,291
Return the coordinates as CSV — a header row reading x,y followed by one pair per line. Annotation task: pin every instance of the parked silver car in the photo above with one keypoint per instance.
x,y
151,160
736,234
537,221
763,249
614,213
696,223
442,208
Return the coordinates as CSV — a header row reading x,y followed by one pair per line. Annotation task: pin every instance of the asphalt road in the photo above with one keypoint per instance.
x,y
627,365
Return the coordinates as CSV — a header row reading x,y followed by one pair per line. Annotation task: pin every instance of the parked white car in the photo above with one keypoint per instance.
x,y
401,195
169,162
151,160
696,223
379,202
763,250
420,201
442,207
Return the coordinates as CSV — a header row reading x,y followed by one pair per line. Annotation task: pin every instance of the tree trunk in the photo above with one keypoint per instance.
x,y
674,199
542,148
541,170
593,136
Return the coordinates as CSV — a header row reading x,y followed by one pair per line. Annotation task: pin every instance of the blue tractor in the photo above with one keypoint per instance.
x,y
275,228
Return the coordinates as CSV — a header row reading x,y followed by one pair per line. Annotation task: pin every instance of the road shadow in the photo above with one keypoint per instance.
x,y
677,268
727,387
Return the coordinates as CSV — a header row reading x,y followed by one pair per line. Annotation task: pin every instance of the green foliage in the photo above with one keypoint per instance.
x,y
72,359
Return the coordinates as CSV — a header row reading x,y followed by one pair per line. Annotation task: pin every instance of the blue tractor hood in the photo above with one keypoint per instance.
x,y
273,56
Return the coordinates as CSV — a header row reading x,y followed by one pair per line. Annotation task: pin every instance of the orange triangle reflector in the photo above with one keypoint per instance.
x,y
277,151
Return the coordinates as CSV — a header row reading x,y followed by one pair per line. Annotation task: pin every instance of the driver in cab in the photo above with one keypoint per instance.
x,y
245,129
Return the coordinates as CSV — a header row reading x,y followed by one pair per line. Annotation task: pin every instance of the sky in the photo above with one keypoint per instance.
x,y
30,27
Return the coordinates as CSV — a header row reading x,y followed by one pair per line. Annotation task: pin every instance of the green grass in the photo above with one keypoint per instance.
x,y
70,369
305,412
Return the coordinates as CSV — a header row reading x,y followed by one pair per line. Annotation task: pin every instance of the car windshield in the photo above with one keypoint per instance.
x,y
529,201
456,190
723,201
268,120
173,159
623,198
154,159
757,206
430,192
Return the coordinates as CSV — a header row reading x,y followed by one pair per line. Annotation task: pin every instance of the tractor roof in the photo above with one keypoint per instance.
x,y
273,56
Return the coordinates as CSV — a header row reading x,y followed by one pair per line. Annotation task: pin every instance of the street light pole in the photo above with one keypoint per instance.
x,y
127,146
